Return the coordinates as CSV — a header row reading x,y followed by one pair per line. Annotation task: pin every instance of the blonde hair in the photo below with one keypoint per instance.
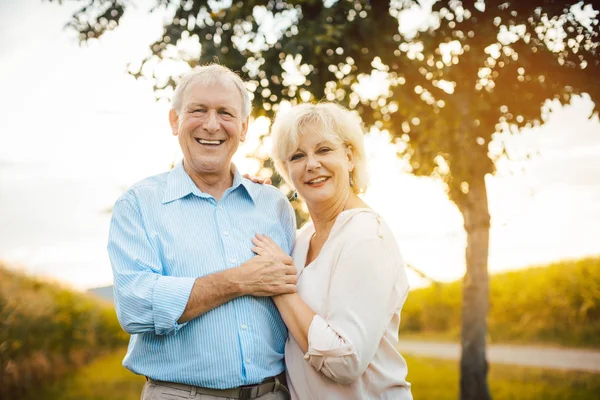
x,y
329,120
209,74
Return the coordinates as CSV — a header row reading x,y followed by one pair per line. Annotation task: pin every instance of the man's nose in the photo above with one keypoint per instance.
x,y
212,122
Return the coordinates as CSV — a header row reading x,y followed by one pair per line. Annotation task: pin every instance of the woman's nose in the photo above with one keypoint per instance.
x,y
312,162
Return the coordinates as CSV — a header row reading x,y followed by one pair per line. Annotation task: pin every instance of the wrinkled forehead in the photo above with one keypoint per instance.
x,y
219,89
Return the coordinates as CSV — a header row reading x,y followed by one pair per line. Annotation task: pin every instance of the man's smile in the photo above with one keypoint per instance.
x,y
207,142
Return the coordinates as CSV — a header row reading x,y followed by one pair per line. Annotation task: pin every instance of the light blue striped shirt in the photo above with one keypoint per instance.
x,y
164,234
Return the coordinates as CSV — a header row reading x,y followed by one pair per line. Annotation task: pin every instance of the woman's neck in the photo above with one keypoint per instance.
x,y
323,216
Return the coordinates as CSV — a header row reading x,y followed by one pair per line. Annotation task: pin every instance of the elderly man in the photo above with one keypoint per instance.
x,y
187,286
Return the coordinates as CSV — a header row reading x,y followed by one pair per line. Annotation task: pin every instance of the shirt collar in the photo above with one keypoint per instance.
x,y
239,180
179,185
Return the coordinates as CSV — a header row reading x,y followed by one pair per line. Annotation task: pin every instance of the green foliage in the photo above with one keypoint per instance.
x,y
506,60
559,303
438,379
45,330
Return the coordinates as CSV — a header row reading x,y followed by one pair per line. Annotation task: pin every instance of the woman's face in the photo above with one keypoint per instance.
x,y
320,169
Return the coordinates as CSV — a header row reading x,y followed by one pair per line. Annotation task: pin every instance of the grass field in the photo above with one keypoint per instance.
x,y
438,379
106,379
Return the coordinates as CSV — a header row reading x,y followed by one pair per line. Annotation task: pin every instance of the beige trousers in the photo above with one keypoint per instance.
x,y
153,391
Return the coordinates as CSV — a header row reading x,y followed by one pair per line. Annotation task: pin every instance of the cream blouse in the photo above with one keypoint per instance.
x,y
356,286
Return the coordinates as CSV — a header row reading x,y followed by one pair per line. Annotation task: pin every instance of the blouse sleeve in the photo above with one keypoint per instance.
x,y
367,287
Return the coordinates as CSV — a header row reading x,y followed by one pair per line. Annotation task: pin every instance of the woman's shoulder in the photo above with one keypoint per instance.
x,y
361,223
365,234
363,226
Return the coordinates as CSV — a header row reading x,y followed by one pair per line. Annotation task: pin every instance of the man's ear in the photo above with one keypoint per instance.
x,y
244,129
174,121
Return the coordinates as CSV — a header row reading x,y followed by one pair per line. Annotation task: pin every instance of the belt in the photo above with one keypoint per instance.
x,y
274,384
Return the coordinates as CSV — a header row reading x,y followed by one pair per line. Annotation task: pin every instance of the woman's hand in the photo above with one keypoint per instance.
x,y
256,179
265,246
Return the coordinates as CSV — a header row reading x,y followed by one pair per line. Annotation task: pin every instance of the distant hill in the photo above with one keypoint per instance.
x,y
105,293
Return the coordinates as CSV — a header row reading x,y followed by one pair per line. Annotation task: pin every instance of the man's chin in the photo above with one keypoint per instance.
x,y
207,165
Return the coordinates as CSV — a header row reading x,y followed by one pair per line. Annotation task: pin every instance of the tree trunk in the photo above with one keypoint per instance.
x,y
473,363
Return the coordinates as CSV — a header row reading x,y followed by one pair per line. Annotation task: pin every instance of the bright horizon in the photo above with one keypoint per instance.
x,y
78,130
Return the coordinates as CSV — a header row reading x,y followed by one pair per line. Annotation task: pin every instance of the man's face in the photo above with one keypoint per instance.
x,y
210,127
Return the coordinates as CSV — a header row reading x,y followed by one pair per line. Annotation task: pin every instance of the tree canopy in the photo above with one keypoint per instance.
x,y
475,68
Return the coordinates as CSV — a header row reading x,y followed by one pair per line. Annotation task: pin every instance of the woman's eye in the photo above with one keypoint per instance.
x,y
295,157
324,150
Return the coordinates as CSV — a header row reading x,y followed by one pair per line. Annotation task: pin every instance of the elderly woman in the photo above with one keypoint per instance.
x,y
343,321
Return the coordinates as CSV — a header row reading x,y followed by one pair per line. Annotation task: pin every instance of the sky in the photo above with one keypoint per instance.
x,y
76,130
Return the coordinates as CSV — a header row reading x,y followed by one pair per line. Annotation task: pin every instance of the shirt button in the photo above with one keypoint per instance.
x,y
248,360
233,260
220,207
244,326
226,233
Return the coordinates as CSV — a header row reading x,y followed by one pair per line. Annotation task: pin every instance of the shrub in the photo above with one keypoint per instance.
x,y
46,330
558,303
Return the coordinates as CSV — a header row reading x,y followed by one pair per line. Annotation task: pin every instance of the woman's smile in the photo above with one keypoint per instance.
x,y
317,182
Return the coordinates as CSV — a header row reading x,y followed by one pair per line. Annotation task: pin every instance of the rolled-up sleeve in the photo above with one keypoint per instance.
x,y
145,299
364,294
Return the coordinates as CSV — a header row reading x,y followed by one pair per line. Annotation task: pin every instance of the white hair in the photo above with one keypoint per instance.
x,y
333,122
210,74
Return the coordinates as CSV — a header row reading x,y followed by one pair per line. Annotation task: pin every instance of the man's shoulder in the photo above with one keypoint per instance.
x,y
150,186
266,193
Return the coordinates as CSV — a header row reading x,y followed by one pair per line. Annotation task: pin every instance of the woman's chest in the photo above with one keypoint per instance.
x,y
315,279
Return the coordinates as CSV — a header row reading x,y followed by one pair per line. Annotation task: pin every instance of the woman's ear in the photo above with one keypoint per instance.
x,y
350,156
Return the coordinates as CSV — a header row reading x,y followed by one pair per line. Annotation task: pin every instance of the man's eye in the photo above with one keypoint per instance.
x,y
227,113
199,110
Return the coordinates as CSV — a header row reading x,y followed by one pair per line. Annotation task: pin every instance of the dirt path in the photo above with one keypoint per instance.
x,y
532,356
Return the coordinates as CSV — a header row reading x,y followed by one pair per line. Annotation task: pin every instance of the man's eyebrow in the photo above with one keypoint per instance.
x,y
224,107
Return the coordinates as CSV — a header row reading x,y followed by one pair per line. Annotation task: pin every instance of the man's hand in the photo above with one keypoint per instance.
x,y
266,276
256,179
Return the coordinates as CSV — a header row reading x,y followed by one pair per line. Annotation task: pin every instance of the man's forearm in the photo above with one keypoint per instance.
x,y
210,292
258,276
